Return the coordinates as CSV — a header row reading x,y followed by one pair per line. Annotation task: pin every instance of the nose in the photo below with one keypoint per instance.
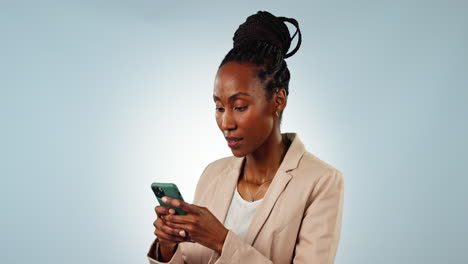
x,y
227,123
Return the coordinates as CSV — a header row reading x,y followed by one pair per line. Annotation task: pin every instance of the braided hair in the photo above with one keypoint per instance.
x,y
264,40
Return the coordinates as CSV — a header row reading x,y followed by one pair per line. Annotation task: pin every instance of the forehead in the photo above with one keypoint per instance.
x,y
235,77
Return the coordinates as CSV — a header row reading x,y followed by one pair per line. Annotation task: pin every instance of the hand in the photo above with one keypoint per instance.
x,y
200,224
167,237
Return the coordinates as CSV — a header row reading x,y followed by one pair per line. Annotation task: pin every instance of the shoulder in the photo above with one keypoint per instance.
x,y
310,162
313,179
212,172
311,169
303,165
221,164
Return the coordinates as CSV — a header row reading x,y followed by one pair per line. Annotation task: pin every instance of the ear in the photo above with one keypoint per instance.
x,y
281,100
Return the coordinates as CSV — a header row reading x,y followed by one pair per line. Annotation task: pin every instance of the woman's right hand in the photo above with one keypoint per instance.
x,y
167,236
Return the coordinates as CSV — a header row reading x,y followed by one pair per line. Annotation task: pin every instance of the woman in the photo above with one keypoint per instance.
x,y
272,202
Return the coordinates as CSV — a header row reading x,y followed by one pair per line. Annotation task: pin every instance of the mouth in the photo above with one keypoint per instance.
x,y
233,141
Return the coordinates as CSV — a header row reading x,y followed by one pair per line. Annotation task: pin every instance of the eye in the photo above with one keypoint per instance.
x,y
241,108
219,109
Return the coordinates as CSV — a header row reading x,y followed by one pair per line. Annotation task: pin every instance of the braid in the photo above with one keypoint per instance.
x,y
264,40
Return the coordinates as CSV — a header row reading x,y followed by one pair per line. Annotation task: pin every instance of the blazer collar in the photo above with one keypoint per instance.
x,y
227,185
294,153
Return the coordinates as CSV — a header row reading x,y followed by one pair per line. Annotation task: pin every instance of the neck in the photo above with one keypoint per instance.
x,y
262,164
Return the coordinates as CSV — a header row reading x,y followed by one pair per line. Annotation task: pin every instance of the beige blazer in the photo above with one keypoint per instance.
x,y
298,221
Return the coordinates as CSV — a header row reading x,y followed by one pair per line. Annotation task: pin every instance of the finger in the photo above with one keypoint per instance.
x,y
180,219
172,231
164,236
189,208
158,223
169,231
177,226
181,231
162,210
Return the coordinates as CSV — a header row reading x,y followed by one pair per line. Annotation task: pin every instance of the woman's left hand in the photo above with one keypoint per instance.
x,y
200,225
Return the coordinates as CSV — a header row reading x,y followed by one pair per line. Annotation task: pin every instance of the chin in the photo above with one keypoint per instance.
x,y
238,153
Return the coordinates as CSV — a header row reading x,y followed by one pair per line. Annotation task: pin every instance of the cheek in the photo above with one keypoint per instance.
x,y
218,120
257,123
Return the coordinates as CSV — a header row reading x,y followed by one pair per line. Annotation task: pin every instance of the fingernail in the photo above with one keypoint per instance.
x,y
172,211
182,233
164,199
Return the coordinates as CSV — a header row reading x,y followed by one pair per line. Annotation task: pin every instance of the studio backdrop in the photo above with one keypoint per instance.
x,y
98,99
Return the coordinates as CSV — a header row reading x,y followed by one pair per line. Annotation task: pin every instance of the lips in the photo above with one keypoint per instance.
x,y
233,141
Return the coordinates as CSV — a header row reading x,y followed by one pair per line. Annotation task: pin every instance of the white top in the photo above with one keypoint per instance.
x,y
240,214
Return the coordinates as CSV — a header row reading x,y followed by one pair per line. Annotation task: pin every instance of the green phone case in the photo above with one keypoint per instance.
x,y
170,190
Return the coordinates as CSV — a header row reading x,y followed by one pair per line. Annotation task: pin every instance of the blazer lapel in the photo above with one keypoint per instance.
x,y
271,196
279,183
225,187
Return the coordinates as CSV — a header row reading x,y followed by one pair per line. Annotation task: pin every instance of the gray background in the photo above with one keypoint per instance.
x,y
100,98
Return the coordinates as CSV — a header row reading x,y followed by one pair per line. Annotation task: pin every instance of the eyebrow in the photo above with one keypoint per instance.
x,y
232,97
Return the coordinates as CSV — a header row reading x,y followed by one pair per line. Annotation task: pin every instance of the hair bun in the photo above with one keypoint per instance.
x,y
266,27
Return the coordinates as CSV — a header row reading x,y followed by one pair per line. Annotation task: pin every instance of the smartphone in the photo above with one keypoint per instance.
x,y
170,190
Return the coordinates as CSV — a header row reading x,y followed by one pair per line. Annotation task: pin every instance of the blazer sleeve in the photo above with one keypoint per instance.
x,y
153,255
318,236
236,250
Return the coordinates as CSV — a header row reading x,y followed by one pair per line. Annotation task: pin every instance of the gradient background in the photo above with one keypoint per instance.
x,y
100,98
